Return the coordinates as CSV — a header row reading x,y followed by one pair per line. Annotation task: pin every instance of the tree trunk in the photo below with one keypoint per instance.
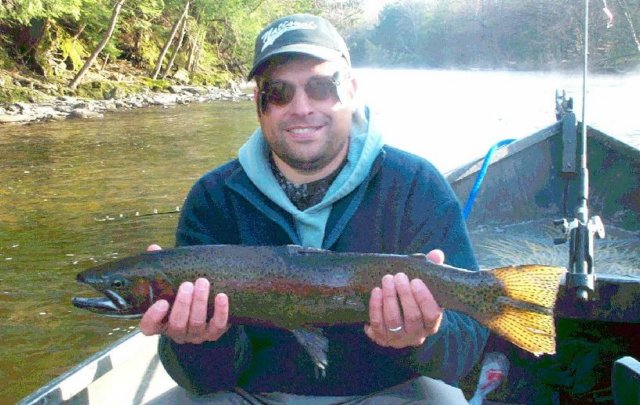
x,y
625,10
183,30
101,45
168,43
194,55
106,60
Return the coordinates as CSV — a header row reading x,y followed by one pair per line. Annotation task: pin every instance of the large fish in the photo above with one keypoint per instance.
x,y
300,289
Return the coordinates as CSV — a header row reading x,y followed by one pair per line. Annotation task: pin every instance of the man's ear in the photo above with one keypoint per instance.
x,y
347,91
257,98
351,91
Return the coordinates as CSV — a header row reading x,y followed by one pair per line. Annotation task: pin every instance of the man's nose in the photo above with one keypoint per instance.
x,y
301,104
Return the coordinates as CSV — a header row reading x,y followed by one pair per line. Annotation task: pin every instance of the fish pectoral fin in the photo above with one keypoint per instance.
x,y
316,345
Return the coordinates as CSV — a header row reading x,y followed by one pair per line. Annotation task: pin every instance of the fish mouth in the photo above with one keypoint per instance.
x,y
111,305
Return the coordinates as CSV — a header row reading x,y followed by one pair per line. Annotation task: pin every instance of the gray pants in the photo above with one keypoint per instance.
x,y
422,390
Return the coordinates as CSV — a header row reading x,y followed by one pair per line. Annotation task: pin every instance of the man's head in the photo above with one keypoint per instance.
x,y
299,34
304,95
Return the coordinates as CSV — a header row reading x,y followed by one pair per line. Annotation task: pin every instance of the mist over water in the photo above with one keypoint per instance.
x,y
451,117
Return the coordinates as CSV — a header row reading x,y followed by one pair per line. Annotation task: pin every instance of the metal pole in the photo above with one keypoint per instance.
x,y
582,229
585,64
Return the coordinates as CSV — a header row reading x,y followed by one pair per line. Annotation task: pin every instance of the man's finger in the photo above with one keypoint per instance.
x,y
152,320
436,256
390,305
376,319
197,324
179,316
218,325
431,311
412,317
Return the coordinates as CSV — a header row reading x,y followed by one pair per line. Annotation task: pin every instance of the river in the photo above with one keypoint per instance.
x,y
79,192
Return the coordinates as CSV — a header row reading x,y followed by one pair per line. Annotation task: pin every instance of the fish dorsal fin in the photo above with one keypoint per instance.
x,y
316,345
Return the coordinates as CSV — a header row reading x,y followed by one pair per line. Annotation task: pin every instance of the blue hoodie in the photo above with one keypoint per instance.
x,y
365,144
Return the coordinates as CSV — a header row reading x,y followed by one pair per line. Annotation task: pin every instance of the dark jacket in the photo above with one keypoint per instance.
x,y
404,206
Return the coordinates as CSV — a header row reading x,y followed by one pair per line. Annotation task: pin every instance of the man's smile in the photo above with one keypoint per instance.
x,y
304,132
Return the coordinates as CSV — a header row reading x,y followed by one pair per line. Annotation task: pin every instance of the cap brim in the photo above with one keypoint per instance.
x,y
305,49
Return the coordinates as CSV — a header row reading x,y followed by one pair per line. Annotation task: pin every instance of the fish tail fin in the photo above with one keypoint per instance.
x,y
525,311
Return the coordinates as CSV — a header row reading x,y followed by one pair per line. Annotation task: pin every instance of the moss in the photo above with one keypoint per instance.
x,y
94,89
216,78
157,84
14,94
6,62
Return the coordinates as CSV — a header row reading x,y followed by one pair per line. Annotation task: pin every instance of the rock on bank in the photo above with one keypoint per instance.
x,y
65,107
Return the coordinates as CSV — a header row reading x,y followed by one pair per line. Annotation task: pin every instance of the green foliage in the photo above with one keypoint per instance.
x,y
73,51
23,11
148,52
150,8
524,34
54,37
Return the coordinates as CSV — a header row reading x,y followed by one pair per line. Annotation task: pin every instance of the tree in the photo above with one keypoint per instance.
x,y
101,45
171,36
183,30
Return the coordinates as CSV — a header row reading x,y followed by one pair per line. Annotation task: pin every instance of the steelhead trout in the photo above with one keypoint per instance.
x,y
299,288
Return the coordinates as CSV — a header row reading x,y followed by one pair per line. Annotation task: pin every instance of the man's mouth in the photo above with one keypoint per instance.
x,y
304,132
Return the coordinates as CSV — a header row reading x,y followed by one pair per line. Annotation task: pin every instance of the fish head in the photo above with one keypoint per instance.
x,y
129,287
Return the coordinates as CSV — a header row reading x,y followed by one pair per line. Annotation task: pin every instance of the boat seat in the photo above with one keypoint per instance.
x,y
625,381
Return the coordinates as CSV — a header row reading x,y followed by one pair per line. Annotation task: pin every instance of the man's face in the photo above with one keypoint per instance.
x,y
308,136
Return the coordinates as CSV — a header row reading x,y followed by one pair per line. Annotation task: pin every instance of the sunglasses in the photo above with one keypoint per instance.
x,y
280,93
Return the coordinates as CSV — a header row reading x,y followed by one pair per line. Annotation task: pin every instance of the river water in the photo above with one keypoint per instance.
x,y
75,193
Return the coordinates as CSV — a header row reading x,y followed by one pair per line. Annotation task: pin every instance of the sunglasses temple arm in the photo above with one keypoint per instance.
x,y
337,82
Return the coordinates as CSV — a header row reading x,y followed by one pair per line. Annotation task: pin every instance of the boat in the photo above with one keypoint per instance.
x,y
526,195
520,212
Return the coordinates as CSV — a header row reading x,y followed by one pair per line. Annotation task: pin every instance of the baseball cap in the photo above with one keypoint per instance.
x,y
299,33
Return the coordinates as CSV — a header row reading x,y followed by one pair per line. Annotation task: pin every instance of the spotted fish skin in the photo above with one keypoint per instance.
x,y
292,287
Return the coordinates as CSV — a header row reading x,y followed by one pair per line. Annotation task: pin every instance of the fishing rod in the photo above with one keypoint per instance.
x,y
581,230
137,214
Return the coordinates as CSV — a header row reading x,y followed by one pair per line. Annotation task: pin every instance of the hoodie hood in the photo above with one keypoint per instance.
x,y
365,143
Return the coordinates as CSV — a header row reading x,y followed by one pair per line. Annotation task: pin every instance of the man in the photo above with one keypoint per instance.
x,y
317,173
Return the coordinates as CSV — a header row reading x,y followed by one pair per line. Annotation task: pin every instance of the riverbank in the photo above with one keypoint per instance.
x,y
26,98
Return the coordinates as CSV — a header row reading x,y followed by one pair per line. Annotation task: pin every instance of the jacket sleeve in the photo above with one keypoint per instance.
x,y
210,366
207,367
451,353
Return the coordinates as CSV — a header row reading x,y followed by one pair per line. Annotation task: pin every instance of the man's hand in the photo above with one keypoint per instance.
x,y
187,321
403,313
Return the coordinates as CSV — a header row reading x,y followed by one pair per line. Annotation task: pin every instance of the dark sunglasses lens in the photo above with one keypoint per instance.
x,y
281,93
278,93
320,89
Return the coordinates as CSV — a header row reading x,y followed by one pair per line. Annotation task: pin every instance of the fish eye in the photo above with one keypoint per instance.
x,y
118,283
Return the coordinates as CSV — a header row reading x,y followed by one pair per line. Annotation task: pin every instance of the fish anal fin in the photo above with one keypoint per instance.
x,y
316,345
